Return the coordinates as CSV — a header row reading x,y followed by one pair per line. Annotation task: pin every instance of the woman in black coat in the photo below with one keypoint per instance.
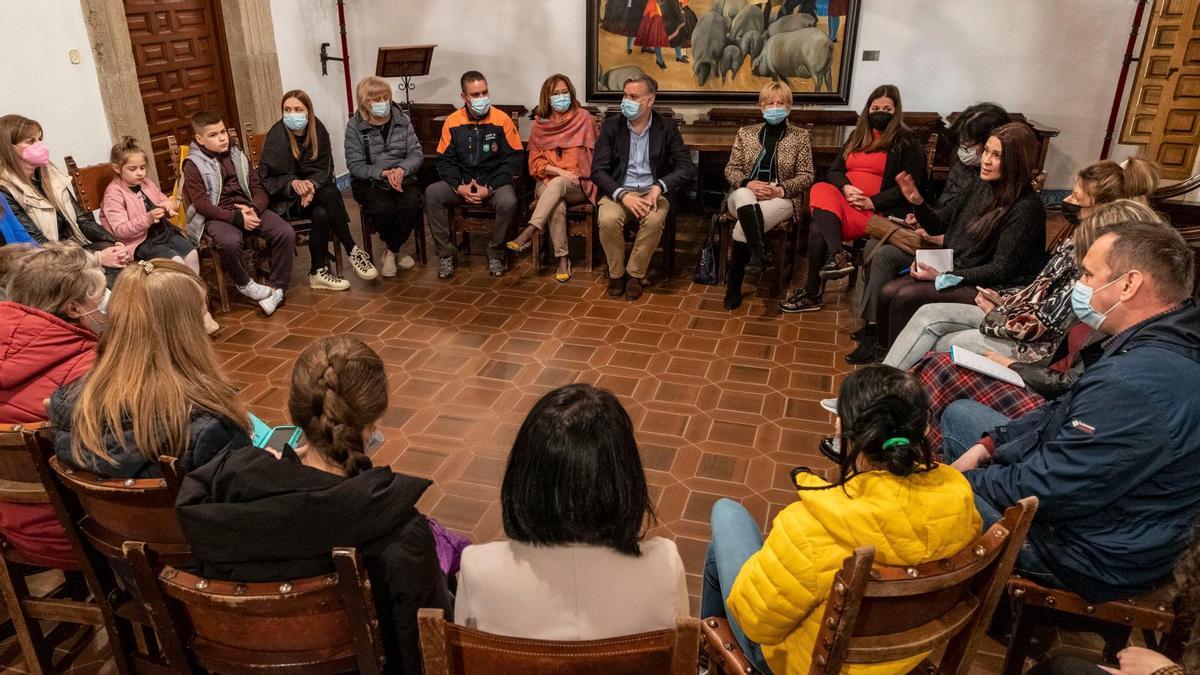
x,y
623,17
263,515
997,233
296,169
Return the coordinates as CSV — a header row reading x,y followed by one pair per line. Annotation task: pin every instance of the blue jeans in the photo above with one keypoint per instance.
x,y
963,423
735,537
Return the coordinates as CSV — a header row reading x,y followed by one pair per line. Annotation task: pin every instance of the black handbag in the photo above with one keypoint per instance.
x,y
706,259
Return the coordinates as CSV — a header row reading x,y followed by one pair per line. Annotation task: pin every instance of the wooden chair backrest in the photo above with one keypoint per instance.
x,y
931,147
112,511
254,145
450,649
19,478
90,182
317,624
885,613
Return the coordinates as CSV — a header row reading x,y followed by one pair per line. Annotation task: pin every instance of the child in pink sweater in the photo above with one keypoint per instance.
x,y
137,213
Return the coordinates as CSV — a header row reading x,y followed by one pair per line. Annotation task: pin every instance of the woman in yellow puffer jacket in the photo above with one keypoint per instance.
x,y
890,494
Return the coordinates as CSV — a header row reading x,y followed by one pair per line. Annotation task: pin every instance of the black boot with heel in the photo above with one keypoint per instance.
x,y
751,219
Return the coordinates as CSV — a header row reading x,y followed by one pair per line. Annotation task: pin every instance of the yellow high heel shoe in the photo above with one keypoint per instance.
x,y
563,277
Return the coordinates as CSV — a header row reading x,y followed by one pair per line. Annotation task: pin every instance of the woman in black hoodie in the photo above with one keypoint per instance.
x,y
277,515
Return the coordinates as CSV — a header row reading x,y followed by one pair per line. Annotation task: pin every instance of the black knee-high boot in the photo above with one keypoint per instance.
x,y
738,255
751,218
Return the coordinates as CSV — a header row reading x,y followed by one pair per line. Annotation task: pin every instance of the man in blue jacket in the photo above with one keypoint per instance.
x,y
1115,462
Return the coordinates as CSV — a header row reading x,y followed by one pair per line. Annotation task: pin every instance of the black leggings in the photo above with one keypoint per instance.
x,y
392,214
329,219
824,237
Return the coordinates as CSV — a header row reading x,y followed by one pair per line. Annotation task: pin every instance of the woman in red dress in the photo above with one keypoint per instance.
x,y
652,33
862,182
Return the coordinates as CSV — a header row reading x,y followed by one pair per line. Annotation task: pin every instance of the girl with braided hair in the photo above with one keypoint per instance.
x,y
277,515
889,493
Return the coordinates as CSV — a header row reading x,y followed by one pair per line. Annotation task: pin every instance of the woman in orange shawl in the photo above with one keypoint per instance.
x,y
560,159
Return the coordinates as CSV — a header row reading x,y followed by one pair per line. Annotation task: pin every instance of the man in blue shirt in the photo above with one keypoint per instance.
x,y
639,159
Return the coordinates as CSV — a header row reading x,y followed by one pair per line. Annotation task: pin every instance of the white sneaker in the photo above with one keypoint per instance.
x,y
389,265
323,278
210,325
406,263
361,263
271,302
255,291
829,404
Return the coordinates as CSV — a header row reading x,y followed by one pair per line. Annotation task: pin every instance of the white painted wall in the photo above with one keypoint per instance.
x,y
41,82
1057,62
300,28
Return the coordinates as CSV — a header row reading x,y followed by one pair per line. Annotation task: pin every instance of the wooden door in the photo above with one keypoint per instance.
x,y
1163,112
182,67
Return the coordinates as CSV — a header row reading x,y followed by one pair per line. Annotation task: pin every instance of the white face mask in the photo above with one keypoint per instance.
x,y
98,323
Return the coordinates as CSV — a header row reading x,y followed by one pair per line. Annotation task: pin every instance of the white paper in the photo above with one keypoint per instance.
x,y
968,359
940,259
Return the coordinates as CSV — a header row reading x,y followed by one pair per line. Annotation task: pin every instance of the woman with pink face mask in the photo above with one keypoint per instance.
x,y
39,196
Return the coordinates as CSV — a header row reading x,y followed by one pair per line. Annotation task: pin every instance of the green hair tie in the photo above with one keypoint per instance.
x,y
893,442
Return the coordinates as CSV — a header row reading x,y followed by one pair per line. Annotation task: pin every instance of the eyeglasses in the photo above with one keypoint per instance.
x,y
833,448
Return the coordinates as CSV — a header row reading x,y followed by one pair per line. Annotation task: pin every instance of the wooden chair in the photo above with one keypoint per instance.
x,y
449,649
469,219
323,624
884,613
302,226
581,222
780,242
90,182
1034,605
99,515
21,482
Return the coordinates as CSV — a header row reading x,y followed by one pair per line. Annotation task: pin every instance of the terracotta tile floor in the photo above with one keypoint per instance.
x,y
724,404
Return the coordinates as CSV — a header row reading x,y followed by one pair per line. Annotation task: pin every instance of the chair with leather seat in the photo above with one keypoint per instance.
x,y
880,613
1034,605
21,483
321,624
450,649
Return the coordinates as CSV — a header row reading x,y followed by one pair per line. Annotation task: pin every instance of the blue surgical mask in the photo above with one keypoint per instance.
x,y
295,121
630,109
1081,302
560,102
775,114
480,106
381,108
373,442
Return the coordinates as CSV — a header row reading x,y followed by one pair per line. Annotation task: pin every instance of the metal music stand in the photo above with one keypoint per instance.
x,y
405,63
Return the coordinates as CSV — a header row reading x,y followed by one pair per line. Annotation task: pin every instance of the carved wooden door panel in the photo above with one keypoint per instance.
x,y
1163,113
182,67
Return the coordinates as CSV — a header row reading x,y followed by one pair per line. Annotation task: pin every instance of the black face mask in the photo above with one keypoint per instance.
x,y
1071,212
879,120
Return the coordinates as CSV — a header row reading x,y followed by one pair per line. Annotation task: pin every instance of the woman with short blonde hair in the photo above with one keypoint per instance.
x,y
769,171
383,156
157,387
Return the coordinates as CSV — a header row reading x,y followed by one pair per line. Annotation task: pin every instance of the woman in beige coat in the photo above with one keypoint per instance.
x,y
575,507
